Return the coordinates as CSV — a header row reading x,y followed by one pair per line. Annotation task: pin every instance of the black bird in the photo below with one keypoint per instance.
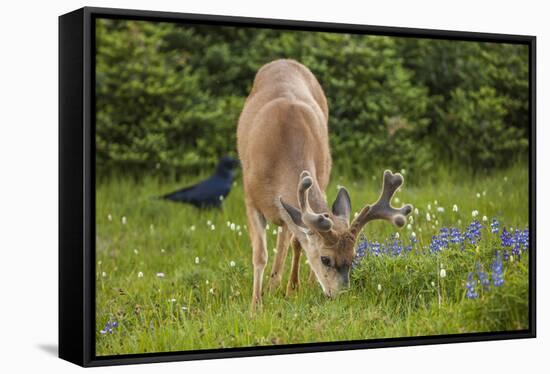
x,y
210,192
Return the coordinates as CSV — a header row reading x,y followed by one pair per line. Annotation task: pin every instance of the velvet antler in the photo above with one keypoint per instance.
x,y
382,209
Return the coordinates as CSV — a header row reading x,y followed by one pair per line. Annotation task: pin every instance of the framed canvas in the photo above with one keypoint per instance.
x,y
235,186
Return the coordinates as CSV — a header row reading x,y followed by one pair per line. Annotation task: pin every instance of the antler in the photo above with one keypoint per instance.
x,y
382,209
319,222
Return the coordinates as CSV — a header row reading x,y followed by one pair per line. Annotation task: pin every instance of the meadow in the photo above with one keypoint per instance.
x,y
170,277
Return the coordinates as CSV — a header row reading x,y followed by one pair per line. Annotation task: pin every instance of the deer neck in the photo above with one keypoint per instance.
x,y
317,199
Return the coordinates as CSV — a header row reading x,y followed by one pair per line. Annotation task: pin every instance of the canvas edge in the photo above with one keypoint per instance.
x,y
77,345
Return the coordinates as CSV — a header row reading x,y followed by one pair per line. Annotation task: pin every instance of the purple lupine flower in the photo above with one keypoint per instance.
x,y
473,232
444,237
483,277
456,236
394,246
436,245
109,327
497,271
495,226
360,250
506,238
375,248
471,287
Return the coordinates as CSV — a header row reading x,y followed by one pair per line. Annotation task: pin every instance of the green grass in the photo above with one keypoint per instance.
x,y
205,305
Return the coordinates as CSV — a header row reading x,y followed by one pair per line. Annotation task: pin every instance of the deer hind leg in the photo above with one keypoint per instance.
x,y
256,224
283,240
294,280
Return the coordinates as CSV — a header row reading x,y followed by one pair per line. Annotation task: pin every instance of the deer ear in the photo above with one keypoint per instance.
x,y
342,204
294,214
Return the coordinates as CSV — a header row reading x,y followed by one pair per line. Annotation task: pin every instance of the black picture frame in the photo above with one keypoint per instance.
x,y
77,186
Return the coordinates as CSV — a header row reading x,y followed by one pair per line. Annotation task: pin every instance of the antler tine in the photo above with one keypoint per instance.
x,y
319,222
382,209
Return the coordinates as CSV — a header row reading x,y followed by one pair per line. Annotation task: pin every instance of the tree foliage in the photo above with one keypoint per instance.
x,y
169,96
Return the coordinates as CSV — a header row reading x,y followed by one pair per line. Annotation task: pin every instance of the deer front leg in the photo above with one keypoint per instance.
x,y
283,239
256,224
294,280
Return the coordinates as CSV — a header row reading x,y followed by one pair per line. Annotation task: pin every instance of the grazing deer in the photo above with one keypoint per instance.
x,y
284,150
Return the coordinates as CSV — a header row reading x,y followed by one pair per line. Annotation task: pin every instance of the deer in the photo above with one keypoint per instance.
x,y
283,146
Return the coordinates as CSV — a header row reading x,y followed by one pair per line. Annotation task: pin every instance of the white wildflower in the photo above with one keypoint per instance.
x,y
429,206
197,260
211,291
478,195
160,275
240,233
455,208
403,172
232,264
475,213
442,273
212,227
436,222
221,198
409,227
397,235
379,287
416,212
232,227
103,274
172,300
484,218
274,232
413,234
440,209
433,284
109,217
238,228
435,202
192,228
124,220
140,274
428,217
208,223
136,251
411,220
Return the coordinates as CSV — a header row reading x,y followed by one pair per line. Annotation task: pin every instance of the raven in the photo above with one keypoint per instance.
x,y
210,192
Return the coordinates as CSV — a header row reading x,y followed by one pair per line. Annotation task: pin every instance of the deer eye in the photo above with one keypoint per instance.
x,y
325,260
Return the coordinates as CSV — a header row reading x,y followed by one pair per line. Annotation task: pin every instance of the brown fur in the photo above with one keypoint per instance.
x,y
284,150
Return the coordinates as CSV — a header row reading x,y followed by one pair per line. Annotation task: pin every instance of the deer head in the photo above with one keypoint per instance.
x,y
328,238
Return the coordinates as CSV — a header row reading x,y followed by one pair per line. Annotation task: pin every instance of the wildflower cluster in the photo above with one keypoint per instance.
x,y
393,246
109,327
497,277
516,241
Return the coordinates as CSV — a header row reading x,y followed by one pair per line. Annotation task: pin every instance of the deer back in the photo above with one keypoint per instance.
x,y
282,131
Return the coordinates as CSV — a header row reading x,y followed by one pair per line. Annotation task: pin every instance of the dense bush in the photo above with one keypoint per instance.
x,y
169,96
